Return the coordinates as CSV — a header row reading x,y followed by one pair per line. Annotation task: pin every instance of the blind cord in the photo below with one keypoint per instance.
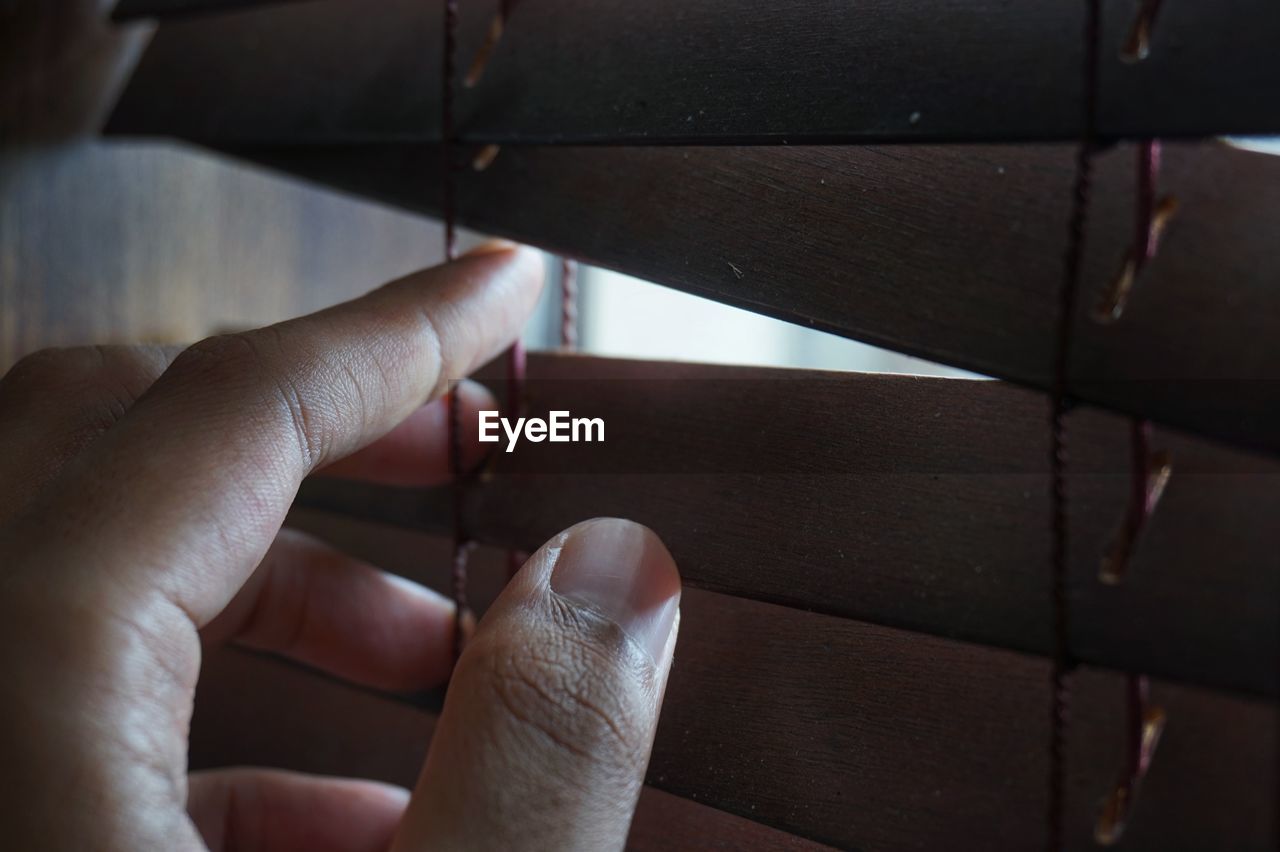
x,y
568,304
1149,473
1059,405
462,543
1151,217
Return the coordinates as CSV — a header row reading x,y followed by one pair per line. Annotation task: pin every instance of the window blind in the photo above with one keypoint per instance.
x,y
867,653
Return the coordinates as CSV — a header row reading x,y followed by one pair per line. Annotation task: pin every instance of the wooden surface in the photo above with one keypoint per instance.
x,y
866,737
912,502
170,246
859,736
254,711
952,254
707,72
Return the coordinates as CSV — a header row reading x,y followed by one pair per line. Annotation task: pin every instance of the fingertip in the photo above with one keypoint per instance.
x,y
622,571
248,808
493,245
479,303
552,709
528,261
392,797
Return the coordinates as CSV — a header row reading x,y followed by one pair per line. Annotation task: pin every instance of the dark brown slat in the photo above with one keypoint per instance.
x,y
251,710
864,737
911,502
869,738
950,253
918,503
255,711
708,72
312,70
127,10
425,559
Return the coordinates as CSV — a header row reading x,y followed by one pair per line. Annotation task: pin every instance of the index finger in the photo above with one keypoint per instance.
x,y
202,470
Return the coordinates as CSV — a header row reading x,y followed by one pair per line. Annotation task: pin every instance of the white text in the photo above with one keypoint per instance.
x,y
559,428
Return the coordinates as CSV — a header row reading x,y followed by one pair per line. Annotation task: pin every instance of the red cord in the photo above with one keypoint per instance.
x,y
569,304
461,541
1072,262
515,407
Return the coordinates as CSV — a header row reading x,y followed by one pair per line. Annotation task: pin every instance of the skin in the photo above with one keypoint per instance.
x,y
144,490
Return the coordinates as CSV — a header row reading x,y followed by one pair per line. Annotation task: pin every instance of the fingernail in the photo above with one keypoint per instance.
x,y
491,246
621,571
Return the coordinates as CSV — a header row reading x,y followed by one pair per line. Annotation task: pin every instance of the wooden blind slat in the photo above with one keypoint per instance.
x,y
252,710
861,736
906,501
869,738
950,253
706,72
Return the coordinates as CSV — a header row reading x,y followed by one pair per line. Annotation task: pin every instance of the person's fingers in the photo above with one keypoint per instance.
x,y
549,720
212,456
416,452
55,402
289,812
319,606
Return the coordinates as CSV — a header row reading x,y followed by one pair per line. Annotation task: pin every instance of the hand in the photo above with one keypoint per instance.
x,y
143,495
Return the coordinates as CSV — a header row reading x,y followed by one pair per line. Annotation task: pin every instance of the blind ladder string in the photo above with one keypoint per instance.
x,y
1059,405
1151,217
568,304
485,158
516,363
462,542
516,358
1149,471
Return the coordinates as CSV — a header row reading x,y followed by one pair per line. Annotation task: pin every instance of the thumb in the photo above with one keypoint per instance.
x,y
549,720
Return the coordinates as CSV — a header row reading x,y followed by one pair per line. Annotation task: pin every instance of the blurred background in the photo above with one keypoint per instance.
x,y
625,317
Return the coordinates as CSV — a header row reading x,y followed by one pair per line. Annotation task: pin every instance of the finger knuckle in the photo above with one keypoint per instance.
x,y
252,361
432,340
222,358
